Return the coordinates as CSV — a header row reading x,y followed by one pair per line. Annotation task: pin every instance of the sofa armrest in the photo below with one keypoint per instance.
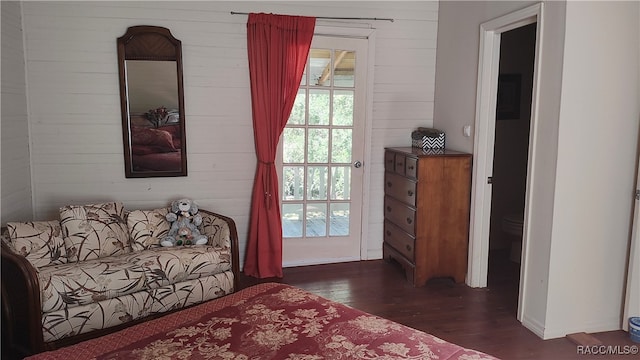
x,y
21,304
221,231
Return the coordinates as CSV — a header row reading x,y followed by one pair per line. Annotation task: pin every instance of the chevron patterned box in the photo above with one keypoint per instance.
x,y
427,138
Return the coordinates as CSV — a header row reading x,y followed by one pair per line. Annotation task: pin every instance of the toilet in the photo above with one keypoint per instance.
x,y
512,225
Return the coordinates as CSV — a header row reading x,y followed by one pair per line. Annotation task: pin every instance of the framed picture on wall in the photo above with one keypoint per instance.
x,y
508,104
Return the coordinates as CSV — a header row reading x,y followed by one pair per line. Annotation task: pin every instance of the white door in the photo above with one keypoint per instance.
x,y
321,152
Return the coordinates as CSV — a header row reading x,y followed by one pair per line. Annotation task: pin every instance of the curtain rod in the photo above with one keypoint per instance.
x,y
330,17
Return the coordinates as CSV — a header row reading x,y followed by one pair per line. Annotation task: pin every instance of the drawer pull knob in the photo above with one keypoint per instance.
x,y
409,220
408,247
388,233
400,164
389,184
411,167
388,208
410,193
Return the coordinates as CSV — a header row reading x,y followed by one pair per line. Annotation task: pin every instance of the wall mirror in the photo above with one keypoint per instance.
x,y
152,102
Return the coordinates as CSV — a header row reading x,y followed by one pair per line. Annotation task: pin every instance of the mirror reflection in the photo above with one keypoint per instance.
x,y
151,83
152,104
154,115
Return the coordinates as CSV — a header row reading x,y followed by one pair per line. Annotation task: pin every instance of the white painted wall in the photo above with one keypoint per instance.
x,y
597,148
76,140
16,170
581,192
457,64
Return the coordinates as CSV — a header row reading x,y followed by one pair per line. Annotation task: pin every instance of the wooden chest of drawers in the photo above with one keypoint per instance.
x,y
426,212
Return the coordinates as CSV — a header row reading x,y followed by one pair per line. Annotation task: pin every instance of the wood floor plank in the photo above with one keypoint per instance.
x,y
481,319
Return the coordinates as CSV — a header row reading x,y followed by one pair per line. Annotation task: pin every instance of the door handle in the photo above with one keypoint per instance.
x,y
357,164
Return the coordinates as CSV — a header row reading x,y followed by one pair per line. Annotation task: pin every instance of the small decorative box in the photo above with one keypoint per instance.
x,y
427,138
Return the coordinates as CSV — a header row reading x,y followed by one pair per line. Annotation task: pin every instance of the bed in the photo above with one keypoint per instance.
x,y
156,149
267,321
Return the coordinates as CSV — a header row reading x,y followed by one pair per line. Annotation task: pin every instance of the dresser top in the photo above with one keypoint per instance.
x,y
427,152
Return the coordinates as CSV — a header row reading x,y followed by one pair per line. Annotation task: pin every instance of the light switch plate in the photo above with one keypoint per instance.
x,y
466,130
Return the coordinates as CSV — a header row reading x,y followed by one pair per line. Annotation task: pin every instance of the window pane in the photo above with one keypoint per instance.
x,y
318,147
339,224
343,108
292,182
320,62
293,145
343,73
318,107
341,145
297,113
292,220
317,183
340,182
316,219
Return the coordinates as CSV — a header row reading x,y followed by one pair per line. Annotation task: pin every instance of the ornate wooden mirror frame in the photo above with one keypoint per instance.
x,y
152,103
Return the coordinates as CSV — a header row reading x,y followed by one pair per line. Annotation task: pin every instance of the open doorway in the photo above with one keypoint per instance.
x,y
510,160
484,138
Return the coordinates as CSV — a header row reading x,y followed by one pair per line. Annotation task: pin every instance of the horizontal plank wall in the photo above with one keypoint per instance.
x,y
16,170
75,112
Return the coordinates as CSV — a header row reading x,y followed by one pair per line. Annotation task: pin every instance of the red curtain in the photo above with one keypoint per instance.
x,y
278,47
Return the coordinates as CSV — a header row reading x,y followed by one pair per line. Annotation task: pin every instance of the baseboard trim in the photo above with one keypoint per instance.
x,y
319,261
533,325
553,333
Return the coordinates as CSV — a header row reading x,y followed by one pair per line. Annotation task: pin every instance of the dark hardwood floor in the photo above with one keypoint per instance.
x,y
482,319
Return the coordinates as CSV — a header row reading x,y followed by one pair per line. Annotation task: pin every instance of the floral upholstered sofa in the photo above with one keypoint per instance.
x,y
99,268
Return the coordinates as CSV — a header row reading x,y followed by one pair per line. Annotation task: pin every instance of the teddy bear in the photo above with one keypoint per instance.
x,y
184,219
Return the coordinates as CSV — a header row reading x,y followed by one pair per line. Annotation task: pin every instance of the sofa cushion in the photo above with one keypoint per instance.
x,y
73,284
41,242
216,229
147,227
94,231
170,265
111,312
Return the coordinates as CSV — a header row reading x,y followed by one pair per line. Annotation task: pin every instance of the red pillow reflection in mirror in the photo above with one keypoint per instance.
x,y
152,137
174,130
148,149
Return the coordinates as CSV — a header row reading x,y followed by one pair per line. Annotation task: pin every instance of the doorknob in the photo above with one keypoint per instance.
x,y
357,164
490,180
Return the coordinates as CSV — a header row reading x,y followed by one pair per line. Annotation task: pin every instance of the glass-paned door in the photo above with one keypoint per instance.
x,y
322,150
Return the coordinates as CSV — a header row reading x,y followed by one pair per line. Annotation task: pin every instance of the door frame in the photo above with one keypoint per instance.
x,y
484,139
632,294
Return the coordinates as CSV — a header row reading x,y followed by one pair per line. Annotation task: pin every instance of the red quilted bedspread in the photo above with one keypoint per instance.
x,y
267,321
